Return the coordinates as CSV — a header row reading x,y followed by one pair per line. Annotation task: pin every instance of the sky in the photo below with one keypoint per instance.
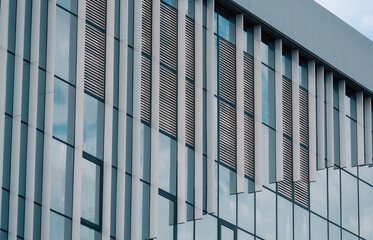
x,y
357,13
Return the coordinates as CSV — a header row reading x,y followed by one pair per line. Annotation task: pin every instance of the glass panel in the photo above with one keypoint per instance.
x,y
65,46
336,136
248,39
39,166
41,100
91,181
349,202
227,196
25,91
144,210
63,111
88,234
116,70
165,218
318,194
93,126
189,175
301,223
336,94
12,25
190,8
227,28
145,152
246,208
366,174
334,195
268,96
167,163
286,64
207,222
319,228
284,218
37,222
348,236
129,145
241,235
185,231
43,33
303,75
268,53
226,233
7,151
4,209
9,84
127,210
351,147
113,205
334,232
60,227
115,138
366,210
130,23
350,104
266,214
269,157
68,4
61,183
129,79
21,216
23,161
171,2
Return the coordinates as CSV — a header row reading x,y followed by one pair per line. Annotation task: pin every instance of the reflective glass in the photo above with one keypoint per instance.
x,y
349,202
319,228
351,145
7,152
246,208
348,236
284,218
65,45
21,216
37,222
127,210
116,71
9,84
303,75
63,111
334,195
334,232
336,94
39,166
130,23
61,183
93,126
129,80
318,194
43,33
207,222
171,2
41,100
167,163
227,28
267,50
269,157
113,203
301,223
226,233
4,209
117,19
23,161
144,210
129,144
27,36
286,64
190,8
241,235
366,210
145,152
115,138
248,41
227,196
25,91
266,214
189,175
366,174
12,25
185,231
268,96
336,137
350,104
88,233
91,190
165,218
60,227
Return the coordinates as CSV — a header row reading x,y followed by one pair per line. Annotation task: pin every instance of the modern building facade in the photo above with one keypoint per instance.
x,y
183,119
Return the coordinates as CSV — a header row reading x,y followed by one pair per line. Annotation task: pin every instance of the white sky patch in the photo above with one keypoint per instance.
x,y
357,13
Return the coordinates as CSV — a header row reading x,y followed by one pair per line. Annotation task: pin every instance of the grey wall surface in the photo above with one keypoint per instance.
x,y
321,32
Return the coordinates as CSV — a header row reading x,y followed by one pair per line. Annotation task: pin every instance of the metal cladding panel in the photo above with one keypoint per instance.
x,y
189,48
248,65
96,12
145,88
301,193
329,119
285,187
227,134
368,129
303,116
146,33
167,101
286,106
227,73
342,123
94,61
312,120
168,41
320,106
249,146
360,127
189,112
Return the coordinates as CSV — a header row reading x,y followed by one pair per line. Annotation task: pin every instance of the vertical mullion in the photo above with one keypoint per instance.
x,y
368,129
329,118
342,123
295,114
360,127
320,118
312,120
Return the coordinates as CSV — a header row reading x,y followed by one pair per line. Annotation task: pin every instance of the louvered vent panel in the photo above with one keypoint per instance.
x,y
286,186
227,66
286,106
189,48
248,83
189,112
94,61
303,116
301,187
145,88
96,12
167,101
249,146
146,26
227,135
168,41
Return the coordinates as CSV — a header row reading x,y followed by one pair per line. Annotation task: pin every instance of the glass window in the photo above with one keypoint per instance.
x,y
167,163
348,236
43,33
268,53
350,103
268,96
269,157
227,196
189,175
70,5
266,214
185,231
349,202
226,233
319,228
171,2
303,75
145,152
21,216
7,152
23,161
241,235
4,209
248,40
207,222
93,126
334,195
301,223
25,91
12,25
366,174
60,227
165,218
336,94
129,80
27,36
91,191
284,218
115,138
286,64
39,166
227,28
37,222
41,100
334,232
113,205
318,194
129,144
366,210
144,210
127,210
336,136
63,111
351,145
246,208
116,72
9,84
130,23
65,46
190,8
61,183
88,233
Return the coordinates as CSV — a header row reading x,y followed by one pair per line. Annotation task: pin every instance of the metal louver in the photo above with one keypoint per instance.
x,y
248,83
145,88
167,101
227,135
94,61
168,38
227,66
96,12
189,112
301,187
189,48
249,145
286,107
285,187
303,116
146,26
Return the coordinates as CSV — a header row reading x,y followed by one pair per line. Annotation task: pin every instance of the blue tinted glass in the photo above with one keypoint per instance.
x,y
37,222
91,189
190,8
144,210
366,173
4,209
319,228
268,96
25,91
41,100
334,195
207,222
318,194
266,214
27,37
269,157
39,166
348,236
334,232
127,210
115,138
366,210
349,202
12,25
285,218
165,218
60,227
241,235
70,5
145,152
303,75
7,152
116,74
226,233
22,161
117,19
246,209
63,111
268,53
129,145
167,163
336,136
227,198
335,94
93,126
43,33
130,23
130,81
351,104
89,234
185,231
113,202
62,178
65,46
189,175
227,28
301,223
248,41
171,2
286,64
21,216
9,84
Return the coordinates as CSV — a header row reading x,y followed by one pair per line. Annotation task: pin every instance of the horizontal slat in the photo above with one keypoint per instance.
x,y
189,112
168,38
303,116
96,12
146,26
227,134
145,88
227,70
189,48
167,101
248,83
301,187
286,186
286,107
249,146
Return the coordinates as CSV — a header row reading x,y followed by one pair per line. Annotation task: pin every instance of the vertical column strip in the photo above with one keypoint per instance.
x,y
198,112
329,119
79,114
135,196
368,129
295,113
258,177
342,123
48,121
239,106
156,9
108,134
320,118
181,206
122,119
312,120
211,114
32,118
278,97
360,127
